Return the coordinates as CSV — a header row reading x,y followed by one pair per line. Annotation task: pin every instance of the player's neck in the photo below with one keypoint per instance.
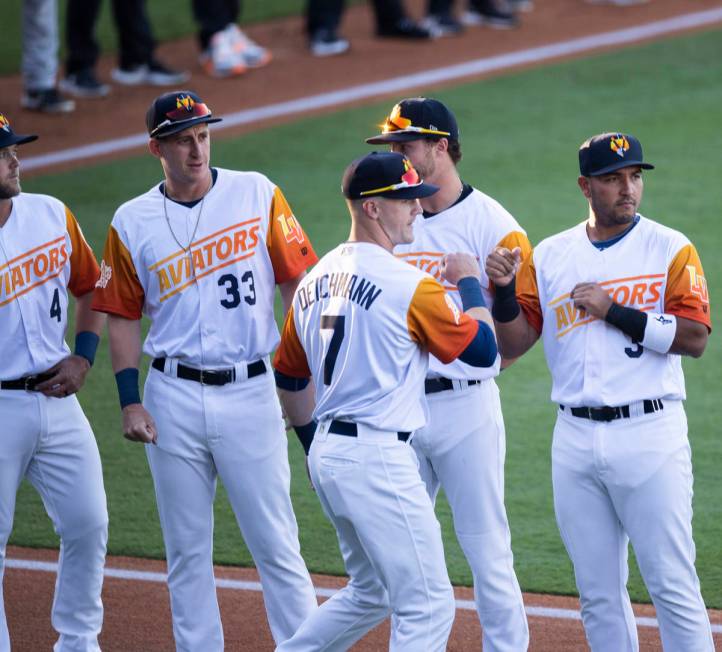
x,y
377,236
599,231
6,207
450,189
188,192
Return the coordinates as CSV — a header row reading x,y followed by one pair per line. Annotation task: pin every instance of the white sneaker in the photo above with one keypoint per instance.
x,y
221,58
326,43
254,56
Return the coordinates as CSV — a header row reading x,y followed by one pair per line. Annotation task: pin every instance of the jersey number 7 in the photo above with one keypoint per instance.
x,y
336,324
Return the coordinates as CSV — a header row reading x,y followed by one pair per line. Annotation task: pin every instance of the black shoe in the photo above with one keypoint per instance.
x,y
83,84
326,43
46,100
152,73
405,28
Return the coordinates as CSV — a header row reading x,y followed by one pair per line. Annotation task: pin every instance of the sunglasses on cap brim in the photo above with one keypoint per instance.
x,y
175,117
410,179
403,125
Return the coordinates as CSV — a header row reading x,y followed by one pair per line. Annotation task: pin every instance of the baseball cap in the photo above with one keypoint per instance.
x,y
415,118
608,152
9,137
175,111
384,174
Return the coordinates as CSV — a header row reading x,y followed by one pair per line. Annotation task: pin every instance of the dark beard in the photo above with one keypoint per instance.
x,y
8,192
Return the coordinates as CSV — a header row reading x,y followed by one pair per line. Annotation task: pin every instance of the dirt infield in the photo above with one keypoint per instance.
x,y
137,613
294,73
137,617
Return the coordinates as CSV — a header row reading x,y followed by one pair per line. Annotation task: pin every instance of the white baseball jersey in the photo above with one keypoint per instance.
x,y
362,323
476,225
222,283
42,254
652,268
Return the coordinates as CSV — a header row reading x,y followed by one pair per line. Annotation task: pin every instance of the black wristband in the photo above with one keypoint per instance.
x,y
305,434
630,321
86,344
470,293
505,308
127,381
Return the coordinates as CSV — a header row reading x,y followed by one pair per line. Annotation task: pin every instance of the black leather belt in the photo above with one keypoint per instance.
x,y
434,385
351,430
27,383
607,413
211,376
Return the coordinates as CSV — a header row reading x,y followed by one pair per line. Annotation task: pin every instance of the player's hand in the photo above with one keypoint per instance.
x,y
502,264
68,377
138,425
457,266
592,299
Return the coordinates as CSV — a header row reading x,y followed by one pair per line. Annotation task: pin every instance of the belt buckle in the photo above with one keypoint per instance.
x,y
605,413
203,375
28,381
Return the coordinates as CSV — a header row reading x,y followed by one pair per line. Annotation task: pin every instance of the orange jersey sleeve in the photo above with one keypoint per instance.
x,y
437,324
516,239
527,293
687,294
84,270
118,290
288,246
290,358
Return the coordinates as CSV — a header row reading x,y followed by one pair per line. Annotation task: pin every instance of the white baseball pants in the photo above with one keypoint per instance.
x,y
236,432
49,442
462,449
630,479
390,540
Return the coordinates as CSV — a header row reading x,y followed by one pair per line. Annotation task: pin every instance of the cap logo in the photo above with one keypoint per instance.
x,y
619,145
410,175
184,102
4,123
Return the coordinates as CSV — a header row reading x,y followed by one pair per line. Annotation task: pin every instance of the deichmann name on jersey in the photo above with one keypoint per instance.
x,y
208,254
38,265
338,284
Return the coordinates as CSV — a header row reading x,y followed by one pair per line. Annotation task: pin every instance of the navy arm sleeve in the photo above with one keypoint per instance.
x,y
482,350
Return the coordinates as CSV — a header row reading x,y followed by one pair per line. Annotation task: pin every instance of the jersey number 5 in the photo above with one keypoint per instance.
x,y
636,351
336,324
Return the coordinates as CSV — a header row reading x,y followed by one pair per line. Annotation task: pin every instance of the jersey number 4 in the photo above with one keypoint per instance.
x,y
55,311
335,323
233,295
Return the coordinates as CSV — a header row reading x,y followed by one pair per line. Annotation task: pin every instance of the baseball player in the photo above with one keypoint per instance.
x,y
201,254
362,324
463,445
617,300
45,435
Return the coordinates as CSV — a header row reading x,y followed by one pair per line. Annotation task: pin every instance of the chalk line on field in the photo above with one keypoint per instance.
x,y
405,82
241,585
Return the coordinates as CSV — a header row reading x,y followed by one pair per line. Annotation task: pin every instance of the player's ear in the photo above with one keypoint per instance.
x,y
371,208
584,185
154,147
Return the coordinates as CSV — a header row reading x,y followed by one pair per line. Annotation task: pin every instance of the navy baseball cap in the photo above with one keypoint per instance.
x,y
609,152
416,118
384,174
175,111
9,137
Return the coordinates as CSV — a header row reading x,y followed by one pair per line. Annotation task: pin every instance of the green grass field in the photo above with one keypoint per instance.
x,y
520,134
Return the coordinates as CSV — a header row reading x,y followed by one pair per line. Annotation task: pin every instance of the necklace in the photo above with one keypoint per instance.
x,y
186,250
